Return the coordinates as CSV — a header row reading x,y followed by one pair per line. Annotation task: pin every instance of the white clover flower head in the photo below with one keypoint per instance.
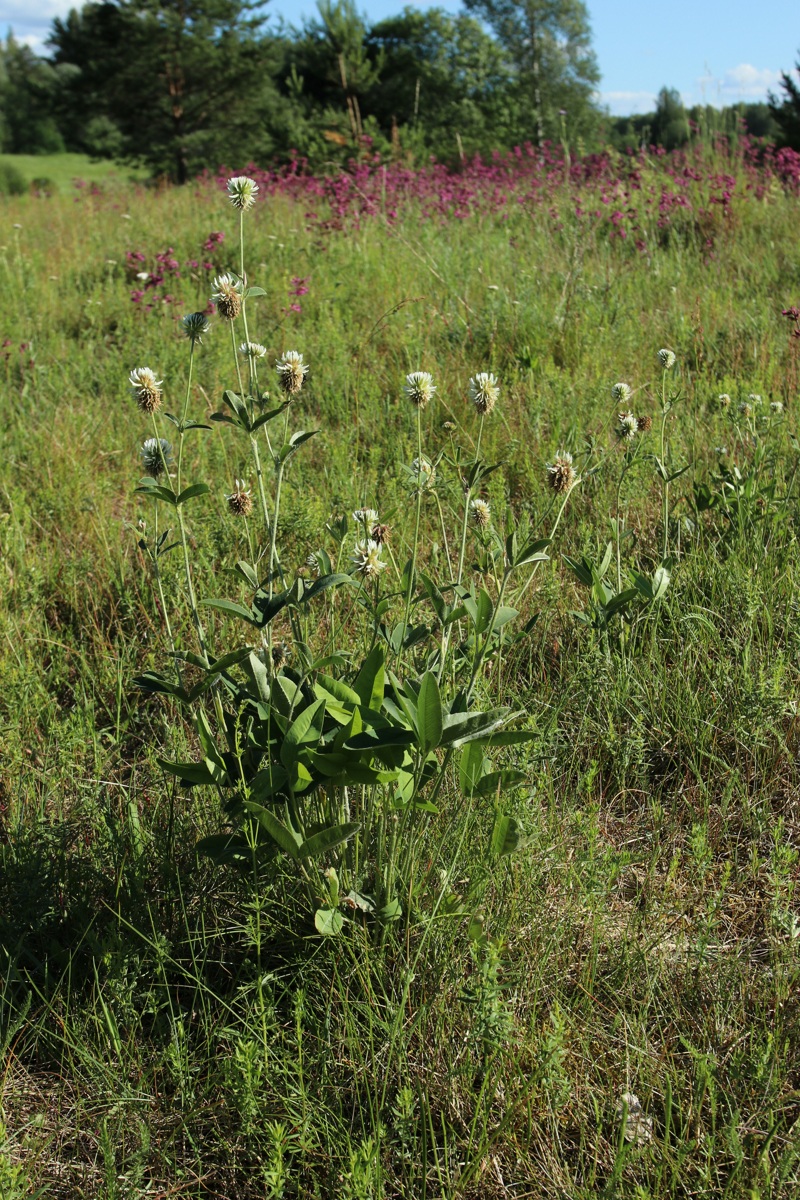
x,y
667,359
242,192
365,516
484,391
724,400
227,295
560,472
721,451
627,426
312,562
419,388
252,350
146,389
240,501
291,371
746,409
776,408
621,392
754,398
423,473
480,512
156,452
367,559
195,325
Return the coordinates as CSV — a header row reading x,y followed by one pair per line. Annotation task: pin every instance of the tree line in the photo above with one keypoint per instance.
x,y
181,85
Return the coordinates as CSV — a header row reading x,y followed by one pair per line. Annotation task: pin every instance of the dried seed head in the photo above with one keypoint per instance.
x,y
281,653
240,502
195,325
381,534
621,392
156,453
561,473
419,388
227,296
367,559
627,427
242,192
644,424
252,350
667,359
292,372
484,391
146,389
480,513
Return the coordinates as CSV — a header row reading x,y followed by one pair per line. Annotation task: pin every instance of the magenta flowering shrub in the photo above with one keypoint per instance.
x,y
639,198
154,278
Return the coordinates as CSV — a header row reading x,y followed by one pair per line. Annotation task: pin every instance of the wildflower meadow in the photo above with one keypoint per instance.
x,y
399,601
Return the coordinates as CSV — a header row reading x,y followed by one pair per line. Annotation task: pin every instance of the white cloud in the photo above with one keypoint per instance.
x,y
621,104
744,82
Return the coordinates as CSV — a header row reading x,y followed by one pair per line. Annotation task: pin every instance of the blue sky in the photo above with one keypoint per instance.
x,y
718,51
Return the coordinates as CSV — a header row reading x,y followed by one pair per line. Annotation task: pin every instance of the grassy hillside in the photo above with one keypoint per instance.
x,y
62,170
588,984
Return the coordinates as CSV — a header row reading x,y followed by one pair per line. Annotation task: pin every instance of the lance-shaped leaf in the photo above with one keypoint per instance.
x,y
194,489
232,609
326,839
287,839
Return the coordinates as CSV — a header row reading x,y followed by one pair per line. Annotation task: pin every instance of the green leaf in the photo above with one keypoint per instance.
x,y
472,766
460,728
533,552
247,573
381,739
429,713
503,616
269,416
224,419
582,569
304,730
326,839
327,581
189,772
506,835
157,492
328,921
194,489
503,781
231,608
288,841
483,614
252,292
660,581
150,681
369,683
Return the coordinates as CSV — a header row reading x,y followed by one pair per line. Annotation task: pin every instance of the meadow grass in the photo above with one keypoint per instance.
x,y
61,170
166,1029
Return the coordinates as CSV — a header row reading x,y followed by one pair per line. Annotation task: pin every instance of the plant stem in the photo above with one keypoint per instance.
x,y
410,589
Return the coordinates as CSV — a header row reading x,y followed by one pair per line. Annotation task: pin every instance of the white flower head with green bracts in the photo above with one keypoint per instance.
x,y
155,453
627,426
621,392
367,559
776,408
419,388
227,295
195,325
754,398
252,350
484,391
291,371
312,562
667,359
242,192
146,389
480,512
746,409
423,474
724,400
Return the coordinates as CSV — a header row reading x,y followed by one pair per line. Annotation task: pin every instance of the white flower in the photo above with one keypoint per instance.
x,y
638,1127
146,389
367,558
481,513
724,400
754,398
666,358
776,408
365,516
227,295
252,350
312,562
242,192
291,372
419,388
621,392
628,425
195,325
746,409
721,451
484,391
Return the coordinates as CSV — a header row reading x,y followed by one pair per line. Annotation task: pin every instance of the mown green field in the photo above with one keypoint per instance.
x,y
174,1027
